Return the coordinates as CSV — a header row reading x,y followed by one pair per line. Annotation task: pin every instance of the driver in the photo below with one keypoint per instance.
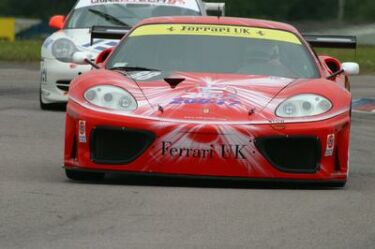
x,y
260,57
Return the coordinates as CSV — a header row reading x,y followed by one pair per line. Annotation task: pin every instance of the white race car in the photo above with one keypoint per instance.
x,y
76,33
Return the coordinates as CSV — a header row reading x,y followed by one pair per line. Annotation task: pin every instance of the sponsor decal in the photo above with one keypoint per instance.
x,y
82,131
204,101
330,145
188,4
278,124
145,75
216,30
221,151
277,121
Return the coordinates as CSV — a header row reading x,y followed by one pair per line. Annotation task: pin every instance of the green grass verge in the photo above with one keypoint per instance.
x,y
364,55
20,51
29,51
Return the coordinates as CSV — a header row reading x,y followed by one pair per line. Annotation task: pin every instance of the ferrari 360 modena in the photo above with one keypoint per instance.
x,y
212,97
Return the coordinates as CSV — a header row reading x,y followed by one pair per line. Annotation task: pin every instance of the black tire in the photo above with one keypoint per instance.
x,y
77,175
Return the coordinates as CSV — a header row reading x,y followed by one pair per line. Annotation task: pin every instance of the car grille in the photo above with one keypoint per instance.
x,y
291,154
118,145
63,85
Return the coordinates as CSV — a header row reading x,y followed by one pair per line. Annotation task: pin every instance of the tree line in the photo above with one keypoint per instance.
x,y
290,10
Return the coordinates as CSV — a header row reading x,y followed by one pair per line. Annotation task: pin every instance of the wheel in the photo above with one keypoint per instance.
x,y
76,175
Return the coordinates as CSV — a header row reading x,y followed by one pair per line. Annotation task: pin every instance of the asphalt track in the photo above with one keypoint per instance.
x,y
40,208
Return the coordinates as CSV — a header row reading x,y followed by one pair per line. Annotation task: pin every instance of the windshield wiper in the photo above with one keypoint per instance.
x,y
129,69
110,18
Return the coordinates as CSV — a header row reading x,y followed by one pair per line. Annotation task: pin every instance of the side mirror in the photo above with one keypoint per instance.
x,y
80,58
103,55
215,9
57,22
351,68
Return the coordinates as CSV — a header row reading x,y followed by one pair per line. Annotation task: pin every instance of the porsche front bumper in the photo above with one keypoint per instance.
x,y
55,79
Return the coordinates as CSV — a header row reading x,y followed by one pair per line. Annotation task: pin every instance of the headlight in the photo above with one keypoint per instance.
x,y
303,105
63,50
111,97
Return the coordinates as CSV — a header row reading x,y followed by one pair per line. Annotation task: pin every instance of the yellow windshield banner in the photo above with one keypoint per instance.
x,y
216,30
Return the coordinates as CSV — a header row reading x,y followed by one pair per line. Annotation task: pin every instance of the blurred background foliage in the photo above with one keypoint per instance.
x,y
290,10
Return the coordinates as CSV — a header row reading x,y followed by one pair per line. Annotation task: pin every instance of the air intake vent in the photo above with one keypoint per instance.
x,y
291,154
118,145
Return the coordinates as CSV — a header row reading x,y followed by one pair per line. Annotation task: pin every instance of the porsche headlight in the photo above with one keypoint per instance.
x,y
63,50
303,105
111,97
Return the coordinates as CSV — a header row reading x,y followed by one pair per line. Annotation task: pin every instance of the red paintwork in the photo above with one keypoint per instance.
x,y
103,55
57,22
228,123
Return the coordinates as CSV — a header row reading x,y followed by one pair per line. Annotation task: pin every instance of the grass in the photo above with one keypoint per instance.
x,y
29,51
20,51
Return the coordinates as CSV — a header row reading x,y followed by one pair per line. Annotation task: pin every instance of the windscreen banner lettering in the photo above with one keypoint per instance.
x,y
188,4
216,30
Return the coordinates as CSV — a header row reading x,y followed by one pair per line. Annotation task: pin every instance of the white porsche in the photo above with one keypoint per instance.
x,y
76,33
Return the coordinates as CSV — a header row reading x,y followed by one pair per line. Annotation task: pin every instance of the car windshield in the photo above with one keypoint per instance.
x,y
215,49
116,14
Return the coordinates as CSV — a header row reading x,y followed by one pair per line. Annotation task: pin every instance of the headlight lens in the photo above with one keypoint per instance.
x,y
111,97
63,50
303,105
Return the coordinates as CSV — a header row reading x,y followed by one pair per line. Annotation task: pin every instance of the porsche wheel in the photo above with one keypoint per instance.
x,y
83,176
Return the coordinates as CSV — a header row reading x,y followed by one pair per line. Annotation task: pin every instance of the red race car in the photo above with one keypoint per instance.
x,y
212,97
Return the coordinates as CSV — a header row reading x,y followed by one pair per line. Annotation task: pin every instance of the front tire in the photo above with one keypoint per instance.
x,y
77,175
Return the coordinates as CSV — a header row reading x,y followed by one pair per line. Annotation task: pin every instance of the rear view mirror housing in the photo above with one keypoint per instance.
x,y
57,22
215,9
80,58
351,68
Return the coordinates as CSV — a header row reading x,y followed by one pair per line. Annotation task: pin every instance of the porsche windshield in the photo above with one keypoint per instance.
x,y
215,49
120,14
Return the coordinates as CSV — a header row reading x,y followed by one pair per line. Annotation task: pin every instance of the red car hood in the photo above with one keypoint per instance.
x,y
208,97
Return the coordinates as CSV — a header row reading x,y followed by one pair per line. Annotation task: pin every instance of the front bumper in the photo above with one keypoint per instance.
x,y
105,142
55,79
